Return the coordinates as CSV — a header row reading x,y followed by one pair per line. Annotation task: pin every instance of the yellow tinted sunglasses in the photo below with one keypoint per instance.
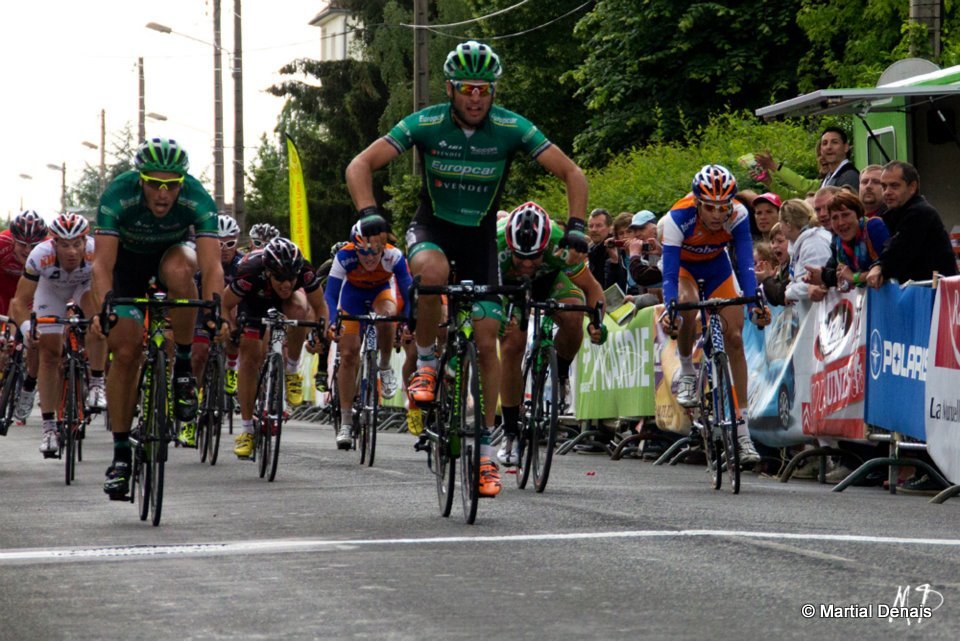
x,y
161,183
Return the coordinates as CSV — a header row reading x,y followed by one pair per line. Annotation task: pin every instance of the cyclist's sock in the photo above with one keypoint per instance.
x,y
232,361
511,416
29,383
563,367
121,447
686,365
426,356
292,365
181,361
246,426
47,416
486,449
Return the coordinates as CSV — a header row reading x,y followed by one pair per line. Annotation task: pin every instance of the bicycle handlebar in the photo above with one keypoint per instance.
x,y
466,290
158,300
596,312
278,319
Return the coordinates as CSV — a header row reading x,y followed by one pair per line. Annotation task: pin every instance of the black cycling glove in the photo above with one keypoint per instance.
x,y
576,237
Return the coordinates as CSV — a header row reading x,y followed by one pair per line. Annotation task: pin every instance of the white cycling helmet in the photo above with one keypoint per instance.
x,y
227,226
69,226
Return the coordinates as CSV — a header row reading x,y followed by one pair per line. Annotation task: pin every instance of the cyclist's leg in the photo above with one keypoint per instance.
x,y
569,326
513,344
96,348
50,344
251,355
386,305
28,392
687,292
177,268
296,308
428,262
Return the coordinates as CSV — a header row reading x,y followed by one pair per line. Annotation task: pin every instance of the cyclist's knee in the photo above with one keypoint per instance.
x,y
431,267
513,344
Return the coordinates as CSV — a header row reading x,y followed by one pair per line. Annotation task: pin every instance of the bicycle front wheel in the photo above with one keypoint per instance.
x,y
370,402
213,409
69,423
158,434
469,419
712,442
543,417
436,421
725,413
277,415
526,450
12,380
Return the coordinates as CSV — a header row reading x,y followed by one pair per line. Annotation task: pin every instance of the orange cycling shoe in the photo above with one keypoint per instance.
x,y
423,385
490,484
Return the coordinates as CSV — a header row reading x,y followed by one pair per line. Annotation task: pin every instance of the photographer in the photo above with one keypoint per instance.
x,y
644,253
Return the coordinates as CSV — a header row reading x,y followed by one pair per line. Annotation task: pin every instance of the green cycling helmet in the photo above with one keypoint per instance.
x,y
472,60
161,154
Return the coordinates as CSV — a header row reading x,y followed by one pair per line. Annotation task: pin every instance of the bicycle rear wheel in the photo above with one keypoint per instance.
x,y
469,419
210,423
370,402
12,380
437,421
543,417
525,449
725,411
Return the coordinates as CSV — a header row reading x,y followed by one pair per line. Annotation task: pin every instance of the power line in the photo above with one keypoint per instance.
x,y
463,22
517,33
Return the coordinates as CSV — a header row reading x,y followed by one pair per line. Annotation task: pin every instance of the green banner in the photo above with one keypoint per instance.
x,y
616,379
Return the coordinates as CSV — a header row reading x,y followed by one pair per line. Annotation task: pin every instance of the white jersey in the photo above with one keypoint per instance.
x,y
42,265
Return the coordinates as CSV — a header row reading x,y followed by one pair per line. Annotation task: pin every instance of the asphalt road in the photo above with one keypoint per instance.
x,y
332,550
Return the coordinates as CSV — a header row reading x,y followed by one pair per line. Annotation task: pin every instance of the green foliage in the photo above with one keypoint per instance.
x,y
657,175
403,203
651,63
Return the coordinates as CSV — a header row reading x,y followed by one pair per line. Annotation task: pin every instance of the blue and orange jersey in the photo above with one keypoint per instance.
x,y
346,267
687,240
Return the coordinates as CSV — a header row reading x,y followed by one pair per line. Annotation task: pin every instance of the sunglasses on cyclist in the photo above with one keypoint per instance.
x,y
467,89
20,243
257,243
228,244
711,206
282,278
161,183
372,251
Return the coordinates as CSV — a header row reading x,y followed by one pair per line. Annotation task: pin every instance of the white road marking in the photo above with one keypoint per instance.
x,y
275,546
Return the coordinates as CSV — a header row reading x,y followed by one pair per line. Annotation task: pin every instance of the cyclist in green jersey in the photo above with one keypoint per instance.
x,y
529,248
143,222
466,146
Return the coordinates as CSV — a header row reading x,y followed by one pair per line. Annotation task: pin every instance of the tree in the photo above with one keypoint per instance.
x,y
656,68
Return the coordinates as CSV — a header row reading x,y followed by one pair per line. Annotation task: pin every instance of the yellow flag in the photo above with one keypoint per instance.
x,y
299,218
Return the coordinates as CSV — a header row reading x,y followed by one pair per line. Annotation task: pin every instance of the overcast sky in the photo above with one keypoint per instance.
x,y
62,61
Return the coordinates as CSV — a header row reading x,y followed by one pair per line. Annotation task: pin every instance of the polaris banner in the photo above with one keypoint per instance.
x,y
942,397
898,337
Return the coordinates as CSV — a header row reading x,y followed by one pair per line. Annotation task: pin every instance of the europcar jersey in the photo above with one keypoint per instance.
x,y
123,213
42,263
552,263
463,176
686,240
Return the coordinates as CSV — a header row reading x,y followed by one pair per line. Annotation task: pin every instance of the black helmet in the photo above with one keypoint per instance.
x,y
283,258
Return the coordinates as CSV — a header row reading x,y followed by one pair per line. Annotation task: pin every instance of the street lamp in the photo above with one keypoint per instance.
x,y
155,116
217,97
24,177
62,168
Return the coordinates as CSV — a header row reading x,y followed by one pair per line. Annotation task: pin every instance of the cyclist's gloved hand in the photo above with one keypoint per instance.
x,y
372,222
576,237
760,315
598,335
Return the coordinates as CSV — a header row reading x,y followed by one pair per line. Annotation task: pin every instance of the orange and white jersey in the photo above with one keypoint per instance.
x,y
346,266
42,264
682,228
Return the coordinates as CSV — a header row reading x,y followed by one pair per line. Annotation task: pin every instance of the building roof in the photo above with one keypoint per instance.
x,y
332,9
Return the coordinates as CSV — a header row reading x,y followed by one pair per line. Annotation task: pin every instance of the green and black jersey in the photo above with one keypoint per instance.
x,y
123,213
464,175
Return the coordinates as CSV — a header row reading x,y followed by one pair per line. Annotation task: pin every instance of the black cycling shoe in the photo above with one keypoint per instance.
x,y
117,485
185,398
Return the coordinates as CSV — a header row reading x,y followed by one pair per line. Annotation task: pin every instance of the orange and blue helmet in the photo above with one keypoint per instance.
x,y
714,183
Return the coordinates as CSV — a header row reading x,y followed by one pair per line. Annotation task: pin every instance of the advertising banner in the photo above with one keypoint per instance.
x,y
830,364
942,402
774,415
616,379
670,415
898,326
299,218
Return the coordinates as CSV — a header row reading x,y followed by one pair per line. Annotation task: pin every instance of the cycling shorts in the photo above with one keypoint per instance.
x,y
717,275
358,300
471,251
131,277
50,300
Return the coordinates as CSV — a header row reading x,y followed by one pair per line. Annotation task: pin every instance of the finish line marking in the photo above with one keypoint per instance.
x,y
276,546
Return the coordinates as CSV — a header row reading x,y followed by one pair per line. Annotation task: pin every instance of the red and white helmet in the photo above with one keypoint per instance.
x,y
528,230
28,227
69,226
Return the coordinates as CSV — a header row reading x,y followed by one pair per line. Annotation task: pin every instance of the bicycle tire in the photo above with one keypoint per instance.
x,y
141,482
544,415
160,428
436,420
213,408
68,422
371,402
525,451
711,445
9,393
726,415
469,421
276,424
260,454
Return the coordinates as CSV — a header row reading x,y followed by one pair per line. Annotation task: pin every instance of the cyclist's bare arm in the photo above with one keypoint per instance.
x,y
22,301
211,271
559,164
104,259
589,286
318,304
228,304
359,172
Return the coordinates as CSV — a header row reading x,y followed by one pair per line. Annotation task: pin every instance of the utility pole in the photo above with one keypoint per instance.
x,y
239,211
927,13
217,109
421,77
142,114
103,149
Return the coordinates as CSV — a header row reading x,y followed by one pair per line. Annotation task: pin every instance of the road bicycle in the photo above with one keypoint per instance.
x,y
215,404
715,417
13,373
538,428
268,415
366,400
453,423
155,426
72,414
